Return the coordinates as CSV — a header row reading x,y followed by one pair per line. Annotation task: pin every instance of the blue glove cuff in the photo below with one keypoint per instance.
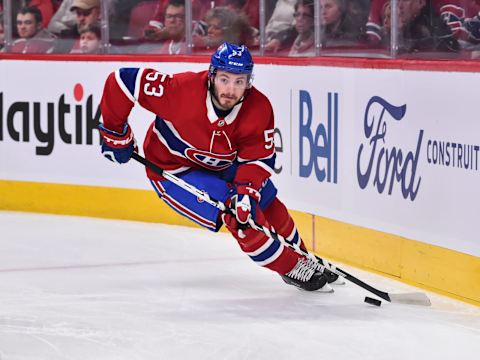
x,y
111,132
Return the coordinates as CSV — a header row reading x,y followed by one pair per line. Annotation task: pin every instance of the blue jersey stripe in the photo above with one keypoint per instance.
x,y
129,77
270,162
173,142
269,252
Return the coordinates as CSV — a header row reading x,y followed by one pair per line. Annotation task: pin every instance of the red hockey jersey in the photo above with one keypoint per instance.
x,y
187,133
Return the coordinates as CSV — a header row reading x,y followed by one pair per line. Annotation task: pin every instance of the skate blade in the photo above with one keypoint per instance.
x,y
326,289
339,281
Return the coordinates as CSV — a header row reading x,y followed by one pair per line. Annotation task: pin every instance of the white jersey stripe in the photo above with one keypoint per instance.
x,y
137,83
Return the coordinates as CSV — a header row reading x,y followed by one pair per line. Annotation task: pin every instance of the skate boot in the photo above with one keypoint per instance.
x,y
306,277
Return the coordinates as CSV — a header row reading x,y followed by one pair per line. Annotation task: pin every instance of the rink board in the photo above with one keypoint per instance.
x,y
368,160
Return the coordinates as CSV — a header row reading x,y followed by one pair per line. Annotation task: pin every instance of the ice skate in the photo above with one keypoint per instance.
x,y
306,277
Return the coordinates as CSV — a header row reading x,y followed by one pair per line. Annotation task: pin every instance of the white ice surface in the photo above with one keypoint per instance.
x,y
80,288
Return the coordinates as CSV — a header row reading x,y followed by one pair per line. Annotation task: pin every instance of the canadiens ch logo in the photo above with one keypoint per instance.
x,y
211,161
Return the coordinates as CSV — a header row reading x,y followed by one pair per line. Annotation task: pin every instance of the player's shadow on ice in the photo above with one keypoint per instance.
x,y
243,299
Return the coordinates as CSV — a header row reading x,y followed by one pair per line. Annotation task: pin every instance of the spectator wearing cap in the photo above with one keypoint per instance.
x,y
33,38
86,12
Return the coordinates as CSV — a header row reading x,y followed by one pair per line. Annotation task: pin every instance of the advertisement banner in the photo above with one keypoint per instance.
x,y
391,150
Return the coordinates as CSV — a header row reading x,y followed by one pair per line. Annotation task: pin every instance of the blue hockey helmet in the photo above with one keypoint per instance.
x,y
235,59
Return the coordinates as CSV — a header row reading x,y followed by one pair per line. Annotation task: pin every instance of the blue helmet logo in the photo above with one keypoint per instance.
x,y
232,58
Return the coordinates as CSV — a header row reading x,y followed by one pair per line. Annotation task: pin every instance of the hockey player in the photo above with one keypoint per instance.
x,y
214,130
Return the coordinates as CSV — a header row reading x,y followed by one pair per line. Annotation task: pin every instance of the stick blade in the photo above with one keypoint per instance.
x,y
414,298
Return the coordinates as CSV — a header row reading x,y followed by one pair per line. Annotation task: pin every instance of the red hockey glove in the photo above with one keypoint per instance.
x,y
244,203
117,147
240,231
230,222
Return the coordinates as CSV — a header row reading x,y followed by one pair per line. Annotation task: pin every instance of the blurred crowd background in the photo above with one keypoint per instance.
x,y
427,29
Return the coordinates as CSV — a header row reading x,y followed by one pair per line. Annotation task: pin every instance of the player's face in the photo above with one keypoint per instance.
x,y
27,27
229,89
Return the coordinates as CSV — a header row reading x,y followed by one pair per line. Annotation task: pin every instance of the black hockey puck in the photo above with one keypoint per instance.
x,y
372,301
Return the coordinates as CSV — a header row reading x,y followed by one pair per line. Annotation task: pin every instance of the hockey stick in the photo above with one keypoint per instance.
x,y
415,298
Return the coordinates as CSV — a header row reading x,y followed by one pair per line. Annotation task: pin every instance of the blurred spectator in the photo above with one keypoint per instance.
x,y
129,18
90,40
385,22
420,26
339,27
127,15
34,38
86,12
172,34
304,44
420,29
172,25
199,10
278,30
224,25
374,28
358,11
462,17
2,31
56,4
45,7
63,19
249,7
